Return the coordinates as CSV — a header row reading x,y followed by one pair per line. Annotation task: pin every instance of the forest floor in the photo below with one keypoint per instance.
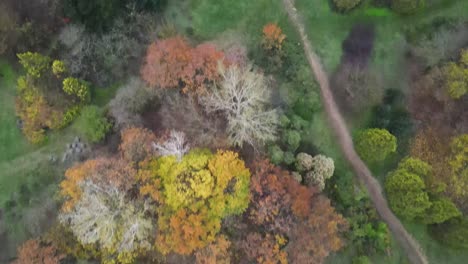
x,y
337,122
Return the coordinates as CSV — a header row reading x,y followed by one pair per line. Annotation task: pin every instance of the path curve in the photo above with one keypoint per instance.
x,y
412,248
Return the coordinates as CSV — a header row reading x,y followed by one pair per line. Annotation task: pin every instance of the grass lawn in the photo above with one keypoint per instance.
x,y
12,142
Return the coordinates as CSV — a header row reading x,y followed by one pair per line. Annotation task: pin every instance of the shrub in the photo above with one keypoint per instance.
x,y
457,76
453,233
93,124
78,88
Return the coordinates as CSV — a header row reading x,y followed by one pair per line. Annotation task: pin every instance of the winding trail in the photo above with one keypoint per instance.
x,y
412,248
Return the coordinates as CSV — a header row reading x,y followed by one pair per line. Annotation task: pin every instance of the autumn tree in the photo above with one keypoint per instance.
x,y
280,205
265,249
100,170
374,145
456,75
215,253
198,192
33,251
273,37
172,63
45,100
136,143
243,97
104,216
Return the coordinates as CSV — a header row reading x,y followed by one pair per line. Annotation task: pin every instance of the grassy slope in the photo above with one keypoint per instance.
x,y
327,30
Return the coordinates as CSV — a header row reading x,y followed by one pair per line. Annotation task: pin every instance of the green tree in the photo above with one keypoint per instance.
x,y
374,145
456,75
406,194
407,6
92,123
58,67
346,5
440,211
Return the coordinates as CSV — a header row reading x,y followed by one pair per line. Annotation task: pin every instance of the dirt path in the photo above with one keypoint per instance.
x,y
412,248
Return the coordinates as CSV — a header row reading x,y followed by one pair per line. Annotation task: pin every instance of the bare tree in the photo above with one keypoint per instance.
x,y
175,145
104,216
243,97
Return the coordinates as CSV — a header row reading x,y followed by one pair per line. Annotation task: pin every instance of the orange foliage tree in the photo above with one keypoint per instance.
x,y
273,37
172,63
32,251
136,144
100,170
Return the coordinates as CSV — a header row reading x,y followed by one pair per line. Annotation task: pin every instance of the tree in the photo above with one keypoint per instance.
x,y
406,190
58,68
136,143
264,249
215,253
105,217
174,145
456,75
78,88
440,211
346,5
459,171
243,97
318,234
35,64
93,124
100,170
374,145
453,233
407,6
198,192
172,63
322,169
273,37
186,231
33,251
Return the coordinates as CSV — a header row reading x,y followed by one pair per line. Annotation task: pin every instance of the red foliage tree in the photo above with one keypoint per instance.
x,y
172,63
33,252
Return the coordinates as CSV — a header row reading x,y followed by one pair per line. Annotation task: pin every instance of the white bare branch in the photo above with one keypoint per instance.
x,y
175,145
243,97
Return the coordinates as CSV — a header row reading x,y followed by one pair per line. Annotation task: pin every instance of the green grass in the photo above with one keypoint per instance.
x,y
102,96
12,142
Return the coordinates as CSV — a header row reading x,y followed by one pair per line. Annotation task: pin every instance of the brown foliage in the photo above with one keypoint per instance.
x,y
277,197
33,252
215,253
265,249
136,144
102,171
312,240
172,63
281,205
